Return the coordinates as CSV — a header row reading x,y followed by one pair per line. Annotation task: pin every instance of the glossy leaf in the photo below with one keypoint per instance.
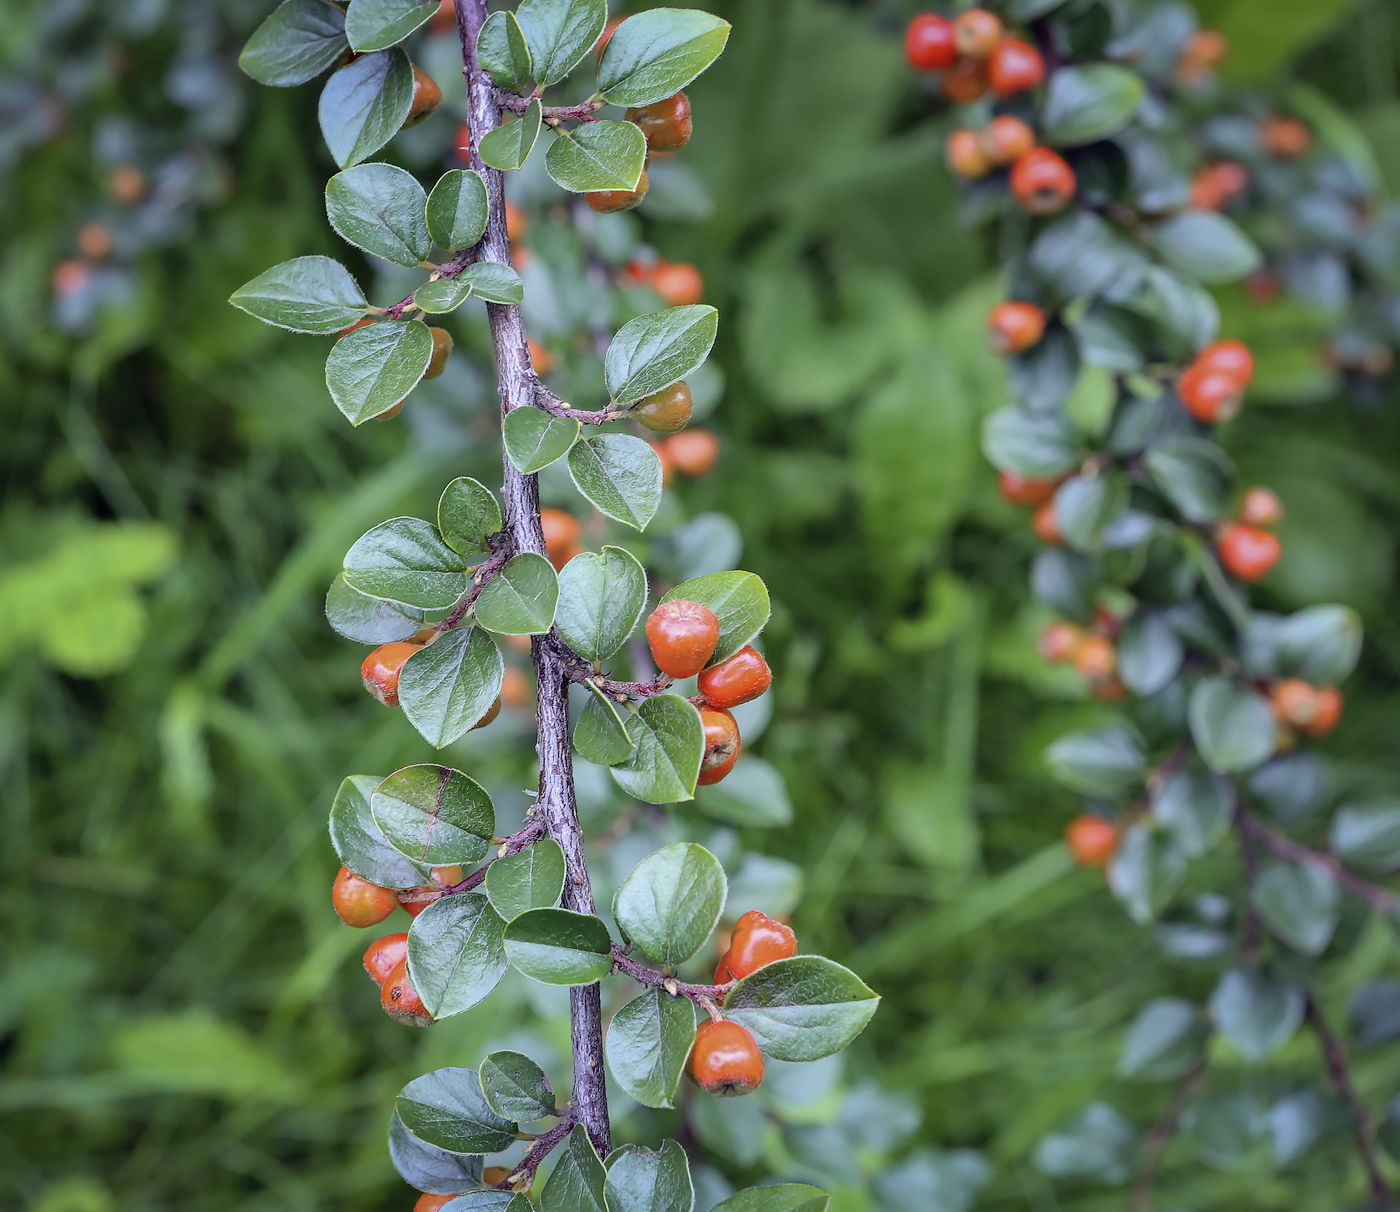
x,y
641,1181
503,53
520,599
446,1108
1206,245
448,686
532,879
1196,807
375,367
560,33
494,282
1146,871
670,903
457,209
1085,505
670,742
429,1168
656,350
1097,1144
307,294
1084,104
601,600
803,1008
752,794
1232,725
468,515
1194,474
296,43
656,53
740,603
361,844
620,475
534,439
1162,1041
456,953
1256,1012
379,208
603,734
369,620
1104,762
515,1087
434,815
365,104
373,25
509,146
1320,644
1368,834
1149,653
405,560
442,295
1299,902
576,1182
603,155
781,1197
1036,445
559,947
647,1044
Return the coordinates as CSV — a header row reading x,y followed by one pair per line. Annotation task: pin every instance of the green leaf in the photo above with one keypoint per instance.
x,y
1232,725
515,1087
1098,1143
1195,806
1299,902
457,210
361,844
802,1008
449,685
375,367
1367,835
1085,505
509,146
306,294
532,879
405,560
429,1168
601,600
520,599
1145,872
1320,644
379,208
1039,445
560,33
597,155
1194,474
534,439
494,282
602,734
1206,245
435,815
670,742
752,794
559,947
1256,1012
364,105
1086,104
1104,762
373,25
740,603
368,620
656,350
446,1108
656,53
647,1045
1163,1040
620,475
782,1197
456,953
296,43
640,1181
503,53
1149,653
468,515
576,1182
670,903
442,295
1042,380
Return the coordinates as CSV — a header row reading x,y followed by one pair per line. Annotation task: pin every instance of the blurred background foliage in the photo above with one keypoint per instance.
x,y
183,1023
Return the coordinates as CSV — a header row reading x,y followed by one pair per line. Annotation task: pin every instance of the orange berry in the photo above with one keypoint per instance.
x,y
447,876
1214,185
1261,507
358,324
442,350
1046,526
431,1203
415,900
1014,67
722,974
441,22
665,123
725,1061
1329,711
1111,690
380,670
610,201
1228,358
515,689
1294,702
427,96
359,903
967,155
69,277
721,745
517,221
1285,138
1060,641
1091,840
1025,490
540,358
1042,181
693,451
561,530
1013,328
491,713
1210,395
736,680
1096,658
668,464
682,636
1007,137
384,955
127,184
668,410
1247,551
975,32
965,81
678,283
758,941
1206,47
401,1001
94,241
928,43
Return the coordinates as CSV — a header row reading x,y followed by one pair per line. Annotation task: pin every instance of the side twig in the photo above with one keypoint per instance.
x,y
1155,1145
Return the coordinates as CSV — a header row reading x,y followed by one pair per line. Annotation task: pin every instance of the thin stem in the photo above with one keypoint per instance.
x,y
1155,1145
512,845
577,669
1380,899
517,104
552,404
450,269
704,994
556,804
1335,1054
525,1172
481,578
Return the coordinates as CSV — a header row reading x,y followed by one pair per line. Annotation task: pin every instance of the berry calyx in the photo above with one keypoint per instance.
x,y
1210,395
1025,490
967,155
1261,507
975,32
1042,181
359,903
665,123
682,636
384,955
610,201
757,941
928,43
427,96
400,999
1096,658
678,283
724,1060
381,669
1091,840
1014,67
1247,551
1060,641
1228,358
1046,525
1013,328
740,678
668,410
721,745
965,81
442,350
1005,138
693,451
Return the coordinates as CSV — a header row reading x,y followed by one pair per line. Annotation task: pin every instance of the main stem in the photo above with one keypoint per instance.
x,y
557,804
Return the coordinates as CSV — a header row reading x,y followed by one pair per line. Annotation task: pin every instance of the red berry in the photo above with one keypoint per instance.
x,y
358,324
1014,67
384,955
561,534
1091,840
1206,47
1261,507
401,1001
442,349
725,1061
1294,702
722,974
1046,525
1111,690
692,451
721,745
975,32
1025,490
1060,641
759,940
678,283
1005,138
1329,711
431,1203
742,677
1216,184
928,43
966,155
1228,358
1210,395
668,410
609,201
682,636
665,123
1013,328
1284,137
1042,181
415,900
1247,551
965,81
606,36
427,96
359,903
1096,659
380,670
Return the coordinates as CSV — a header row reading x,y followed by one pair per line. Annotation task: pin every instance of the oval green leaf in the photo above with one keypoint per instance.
x,y
375,367
306,294
296,43
446,1108
671,902
670,742
520,599
658,52
534,439
434,815
361,844
456,953
532,879
597,155
448,686
364,105
656,350
515,1087
559,947
647,1045
373,25
457,210
406,561
620,475
601,600
803,1008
